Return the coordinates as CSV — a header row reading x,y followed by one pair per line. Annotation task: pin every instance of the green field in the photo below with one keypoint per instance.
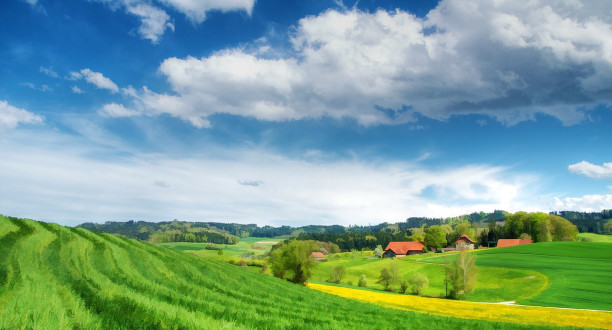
x,y
495,284
247,248
579,273
59,277
590,237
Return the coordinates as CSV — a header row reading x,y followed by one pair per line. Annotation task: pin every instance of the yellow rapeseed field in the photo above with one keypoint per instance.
x,y
476,310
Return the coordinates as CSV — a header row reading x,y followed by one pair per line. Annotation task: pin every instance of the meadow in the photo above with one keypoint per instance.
x,y
579,273
590,237
495,284
59,277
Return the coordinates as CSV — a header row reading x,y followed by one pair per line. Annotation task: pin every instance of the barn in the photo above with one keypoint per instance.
x,y
402,249
464,243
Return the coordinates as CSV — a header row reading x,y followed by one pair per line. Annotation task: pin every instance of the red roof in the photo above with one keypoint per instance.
x,y
513,242
405,247
465,238
318,255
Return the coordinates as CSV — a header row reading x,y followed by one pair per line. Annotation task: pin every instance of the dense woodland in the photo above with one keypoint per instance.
x,y
483,227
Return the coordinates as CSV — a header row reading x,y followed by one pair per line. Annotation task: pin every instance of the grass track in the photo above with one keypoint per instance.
x,y
58,277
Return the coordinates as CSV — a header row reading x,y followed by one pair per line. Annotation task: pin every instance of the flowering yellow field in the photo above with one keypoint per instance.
x,y
475,310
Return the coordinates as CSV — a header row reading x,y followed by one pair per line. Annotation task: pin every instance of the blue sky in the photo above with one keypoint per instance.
x,y
303,112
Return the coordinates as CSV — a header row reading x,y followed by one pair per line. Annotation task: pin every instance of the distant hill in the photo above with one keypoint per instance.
x,y
165,232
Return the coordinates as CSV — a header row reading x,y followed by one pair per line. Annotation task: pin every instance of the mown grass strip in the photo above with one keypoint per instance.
x,y
472,310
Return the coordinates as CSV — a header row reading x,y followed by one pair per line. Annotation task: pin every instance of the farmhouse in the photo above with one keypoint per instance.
x,y
464,243
402,249
512,242
318,255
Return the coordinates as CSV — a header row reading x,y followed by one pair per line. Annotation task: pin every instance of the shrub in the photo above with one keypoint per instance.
x,y
362,281
264,267
220,252
403,287
242,263
336,274
418,281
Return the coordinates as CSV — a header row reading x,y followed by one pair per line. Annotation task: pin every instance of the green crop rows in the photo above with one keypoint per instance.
x,y
58,277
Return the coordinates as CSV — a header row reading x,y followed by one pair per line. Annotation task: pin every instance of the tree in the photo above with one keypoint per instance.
x,y
385,278
293,261
468,274
418,281
403,287
435,237
451,279
607,228
220,252
378,251
336,274
417,236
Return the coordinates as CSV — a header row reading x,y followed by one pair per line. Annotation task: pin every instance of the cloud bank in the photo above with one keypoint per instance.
x,y
505,59
60,178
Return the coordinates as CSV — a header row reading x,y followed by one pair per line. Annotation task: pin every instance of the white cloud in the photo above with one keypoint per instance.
x,y
117,111
587,203
49,72
505,59
154,20
58,179
11,116
197,9
591,170
42,88
77,90
95,78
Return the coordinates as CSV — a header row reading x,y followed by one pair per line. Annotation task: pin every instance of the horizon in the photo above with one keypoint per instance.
x,y
291,113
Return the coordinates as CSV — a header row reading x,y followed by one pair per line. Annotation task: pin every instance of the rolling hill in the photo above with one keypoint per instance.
x,y
59,277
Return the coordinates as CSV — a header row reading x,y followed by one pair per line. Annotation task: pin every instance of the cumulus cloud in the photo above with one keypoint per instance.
x,y
11,116
591,170
154,20
95,78
57,178
77,90
587,203
505,59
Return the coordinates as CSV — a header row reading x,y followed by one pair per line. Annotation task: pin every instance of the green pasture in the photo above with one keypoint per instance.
x,y
579,273
495,284
55,277
248,247
590,237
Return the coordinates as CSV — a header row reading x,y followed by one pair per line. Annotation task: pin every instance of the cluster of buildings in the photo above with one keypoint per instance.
x,y
402,249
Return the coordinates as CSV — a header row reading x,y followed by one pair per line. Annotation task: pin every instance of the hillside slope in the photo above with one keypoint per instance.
x,y
59,277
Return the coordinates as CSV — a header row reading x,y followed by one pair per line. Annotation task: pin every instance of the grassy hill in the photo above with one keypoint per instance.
x,y
579,273
59,277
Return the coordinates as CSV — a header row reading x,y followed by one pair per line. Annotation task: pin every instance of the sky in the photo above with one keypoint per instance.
x,y
280,112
